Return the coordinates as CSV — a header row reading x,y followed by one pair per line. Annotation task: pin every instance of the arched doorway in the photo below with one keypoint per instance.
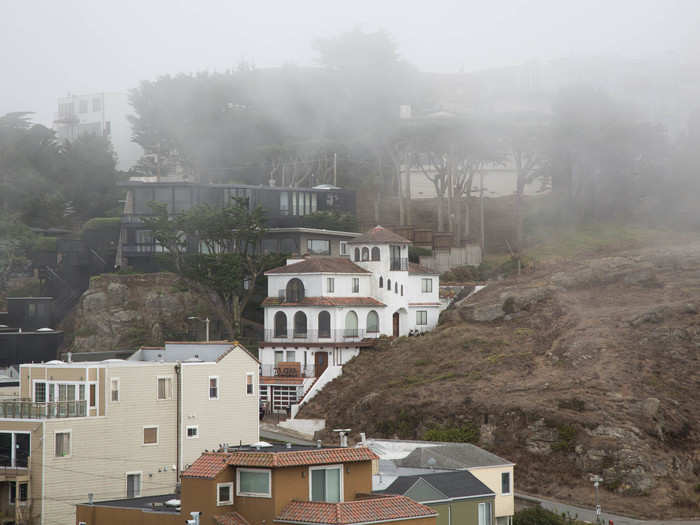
x,y
395,323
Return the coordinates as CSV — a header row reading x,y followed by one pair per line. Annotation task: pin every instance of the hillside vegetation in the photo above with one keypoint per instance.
x,y
575,367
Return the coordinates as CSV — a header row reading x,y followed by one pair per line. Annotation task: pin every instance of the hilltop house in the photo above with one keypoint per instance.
x,y
119,428
321,310
269,484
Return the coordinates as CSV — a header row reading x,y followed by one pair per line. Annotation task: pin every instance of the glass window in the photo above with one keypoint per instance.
x,y
324,324
357,254
249,384
40,392
23,492
254,483
326,484
279,357
300,324
372,322
318,246
375,253
62,444
421,317
6,449
295,291
165,196
288,245
355,285
284,203
164,388
402,290
388,284
150,435
484,513
280,324
381,282
330,281
115,390
505,482
269,245
93,395
133,485
291,355
294,203
396,287
426,285
365,254
192,432
224,493
213,388
343,248
182,199
22,450
351,324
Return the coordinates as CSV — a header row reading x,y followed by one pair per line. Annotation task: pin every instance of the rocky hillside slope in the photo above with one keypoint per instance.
x,y
128,311
580,368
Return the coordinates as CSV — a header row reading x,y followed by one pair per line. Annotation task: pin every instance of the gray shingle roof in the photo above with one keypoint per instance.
x,y
455,484
451,456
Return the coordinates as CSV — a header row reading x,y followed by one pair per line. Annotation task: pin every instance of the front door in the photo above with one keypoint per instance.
x,y
320,362
396,324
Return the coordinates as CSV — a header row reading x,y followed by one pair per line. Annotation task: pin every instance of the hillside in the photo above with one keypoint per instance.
x,y
580,367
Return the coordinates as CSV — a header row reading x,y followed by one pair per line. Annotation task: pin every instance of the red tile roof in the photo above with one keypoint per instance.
x,y
359,511
230,518
422,270
208,465
379,235
320,264
321,456
325,301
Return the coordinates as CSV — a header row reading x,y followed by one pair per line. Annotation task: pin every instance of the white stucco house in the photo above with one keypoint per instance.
x,y
320,311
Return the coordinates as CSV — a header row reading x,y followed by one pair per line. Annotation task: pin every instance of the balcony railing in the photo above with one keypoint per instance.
x,y
320,336
398,265
24,409
268,370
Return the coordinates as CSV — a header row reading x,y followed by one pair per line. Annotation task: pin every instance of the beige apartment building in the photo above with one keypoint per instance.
x,y
120,428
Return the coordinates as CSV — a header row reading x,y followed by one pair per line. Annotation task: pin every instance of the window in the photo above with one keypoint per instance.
x,y
330,282
62,444
133,484
83,106
396,287
115,390
249,385
93,395
213,387
426,285
402,290
318,246
291,355
355,285
224,493
351,324
295,291
23,492
280,324
357,254
150,435
284,203
40,392
422,317
388,284
97,104
300,324
165,388
381,282
343,248
372,322
365,254
324,324
279,357
505,482
253,482
375,253
326,483
192,432
14,449
484,513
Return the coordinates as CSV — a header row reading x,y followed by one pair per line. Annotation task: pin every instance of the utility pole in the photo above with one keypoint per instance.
x,y
481,214
335,169
596,482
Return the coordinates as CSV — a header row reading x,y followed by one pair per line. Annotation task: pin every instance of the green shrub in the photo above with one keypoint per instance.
x,y
467,433
539,516
415,252
567,438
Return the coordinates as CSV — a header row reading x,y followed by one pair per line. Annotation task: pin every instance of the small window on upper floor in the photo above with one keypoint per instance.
x,y
224,493
343,248
192,432
375,253
115,390
357,254
330,282
355,285
422,317
165,388
381,282
150,435
213,387
365,254
505,482
249,384
426,285
402,290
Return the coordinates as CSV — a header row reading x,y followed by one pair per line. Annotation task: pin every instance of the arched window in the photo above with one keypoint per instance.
x,y
295,291
402,290
381,282
365,254
372,322
351,324
375,253
324,324
300,324
396,287
357,254
388,284
280,324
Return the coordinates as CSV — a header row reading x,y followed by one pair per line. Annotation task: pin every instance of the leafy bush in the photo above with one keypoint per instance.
x,y
415,252
567,438
102,223
467,433
540,516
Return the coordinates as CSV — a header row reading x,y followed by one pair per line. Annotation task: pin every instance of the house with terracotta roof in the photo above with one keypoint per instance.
x,y
268,484
320,311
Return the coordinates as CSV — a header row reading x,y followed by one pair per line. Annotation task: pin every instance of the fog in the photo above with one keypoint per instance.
x,y
51,48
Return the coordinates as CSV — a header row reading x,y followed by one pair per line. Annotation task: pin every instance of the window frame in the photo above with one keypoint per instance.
x,y
187,429
254,494
343,247
340,467
143,443
218,393
426,281
486,505
355,281
510,488
229,485
18,492
425,314
70,443
138,473
169,391
330,284
112,380
251,384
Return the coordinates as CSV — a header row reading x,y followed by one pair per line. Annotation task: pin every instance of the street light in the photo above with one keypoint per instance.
x,y
596,482
205,321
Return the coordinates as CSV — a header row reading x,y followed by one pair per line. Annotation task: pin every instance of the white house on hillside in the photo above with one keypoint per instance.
x,y
321,310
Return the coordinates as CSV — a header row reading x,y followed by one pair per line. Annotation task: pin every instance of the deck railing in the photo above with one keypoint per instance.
x,y
26,409
343,335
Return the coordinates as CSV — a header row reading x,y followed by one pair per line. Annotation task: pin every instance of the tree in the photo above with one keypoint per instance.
x,y
15,241
216,248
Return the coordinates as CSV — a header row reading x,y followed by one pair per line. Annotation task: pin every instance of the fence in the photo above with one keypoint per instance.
x,y
23,409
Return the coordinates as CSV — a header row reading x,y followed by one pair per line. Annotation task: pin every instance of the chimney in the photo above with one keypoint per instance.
x,y
343,435
69,357
288,445
318,443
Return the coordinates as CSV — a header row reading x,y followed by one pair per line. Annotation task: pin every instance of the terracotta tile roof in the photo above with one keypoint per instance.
x,y
325,301
321,456
320,264
368,510
208,465
379,235
230,518
418,269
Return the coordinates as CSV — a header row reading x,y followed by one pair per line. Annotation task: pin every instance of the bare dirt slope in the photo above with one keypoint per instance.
x,y
578,368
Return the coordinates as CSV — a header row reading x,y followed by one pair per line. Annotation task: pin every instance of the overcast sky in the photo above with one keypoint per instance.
x,y
49,48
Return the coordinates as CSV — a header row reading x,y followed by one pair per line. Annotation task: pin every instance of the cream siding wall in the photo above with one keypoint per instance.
x,y
491,477
233,418
104,449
